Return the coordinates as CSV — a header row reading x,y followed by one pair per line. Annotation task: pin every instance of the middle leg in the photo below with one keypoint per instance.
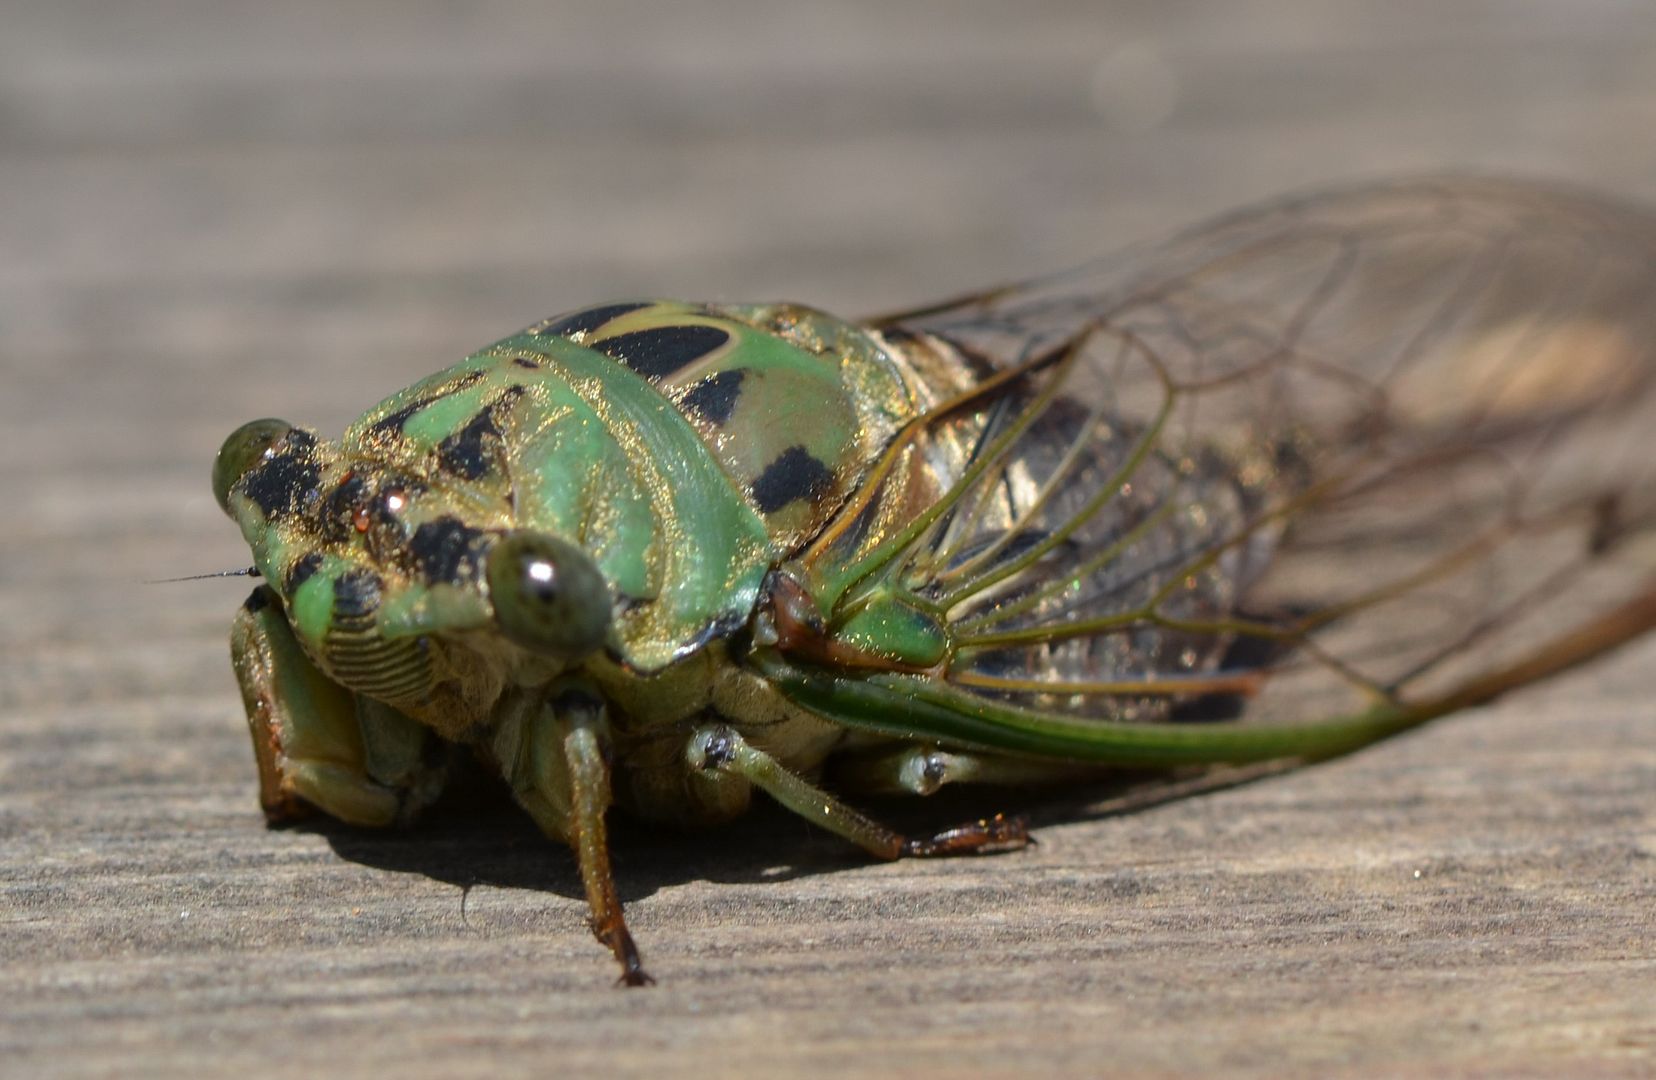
x,y
719,749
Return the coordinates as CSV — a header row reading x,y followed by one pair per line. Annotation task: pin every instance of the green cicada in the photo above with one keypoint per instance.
x,y
1298,480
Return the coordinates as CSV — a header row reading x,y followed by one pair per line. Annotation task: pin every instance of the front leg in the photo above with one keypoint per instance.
x,y
555,756
318,745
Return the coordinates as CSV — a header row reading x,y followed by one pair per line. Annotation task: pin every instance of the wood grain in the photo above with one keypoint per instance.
x,y
218,210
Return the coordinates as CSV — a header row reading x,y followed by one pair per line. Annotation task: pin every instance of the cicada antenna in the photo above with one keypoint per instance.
x,y
251,571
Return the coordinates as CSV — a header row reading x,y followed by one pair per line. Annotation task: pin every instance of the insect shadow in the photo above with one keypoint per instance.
x,y
477,836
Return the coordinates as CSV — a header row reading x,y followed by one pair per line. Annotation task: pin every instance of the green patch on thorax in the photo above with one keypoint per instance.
x,y
607,432
793,403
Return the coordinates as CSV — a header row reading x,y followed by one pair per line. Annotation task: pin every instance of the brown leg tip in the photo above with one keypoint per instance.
x,y
638,977
984,837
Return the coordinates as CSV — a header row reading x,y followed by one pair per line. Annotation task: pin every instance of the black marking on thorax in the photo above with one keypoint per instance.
x,y
466,453
474,450
583,322
714,398
392,423
660,351
794,474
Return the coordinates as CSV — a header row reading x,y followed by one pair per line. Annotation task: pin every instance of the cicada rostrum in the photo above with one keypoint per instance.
x,y
1295,481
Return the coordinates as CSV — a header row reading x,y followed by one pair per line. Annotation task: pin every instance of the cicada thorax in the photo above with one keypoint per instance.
x,y
686,448
792,403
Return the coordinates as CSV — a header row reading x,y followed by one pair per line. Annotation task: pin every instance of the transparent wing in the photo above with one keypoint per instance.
x,y
1379,446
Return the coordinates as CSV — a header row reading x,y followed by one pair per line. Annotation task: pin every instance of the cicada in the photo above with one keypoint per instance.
x,y
1295,481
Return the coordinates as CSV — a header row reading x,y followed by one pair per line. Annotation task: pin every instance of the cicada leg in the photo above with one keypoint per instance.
x,y
721,749
317,744
556,760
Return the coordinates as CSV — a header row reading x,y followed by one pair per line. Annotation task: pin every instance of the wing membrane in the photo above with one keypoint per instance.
x,y
1364,449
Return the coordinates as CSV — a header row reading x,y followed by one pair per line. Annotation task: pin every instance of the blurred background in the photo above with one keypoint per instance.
x,y
212,210
280,198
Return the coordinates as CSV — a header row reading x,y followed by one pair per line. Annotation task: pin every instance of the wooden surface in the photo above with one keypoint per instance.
x,y
212,211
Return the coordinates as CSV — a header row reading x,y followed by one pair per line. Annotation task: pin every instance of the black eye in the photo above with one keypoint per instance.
x,y
548,596
241,451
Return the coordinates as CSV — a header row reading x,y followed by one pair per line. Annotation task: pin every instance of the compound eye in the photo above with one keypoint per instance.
x,y
548,596
245,448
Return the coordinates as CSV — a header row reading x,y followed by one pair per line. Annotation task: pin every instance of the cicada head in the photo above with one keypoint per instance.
x,y
400,588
